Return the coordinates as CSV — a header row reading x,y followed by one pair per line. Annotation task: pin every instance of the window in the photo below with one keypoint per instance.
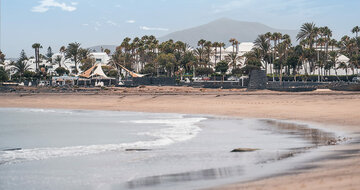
x,y
98,60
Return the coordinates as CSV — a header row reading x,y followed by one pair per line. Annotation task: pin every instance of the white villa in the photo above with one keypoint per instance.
x,y
69,64
245,47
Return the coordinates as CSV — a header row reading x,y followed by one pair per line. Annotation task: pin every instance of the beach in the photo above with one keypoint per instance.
x,y
333,110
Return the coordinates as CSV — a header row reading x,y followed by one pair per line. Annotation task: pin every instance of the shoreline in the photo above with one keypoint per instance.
x,y
332,110
293,156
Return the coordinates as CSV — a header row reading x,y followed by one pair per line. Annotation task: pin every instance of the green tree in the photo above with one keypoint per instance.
x,y
222,46
167,63
149,69
216,45
204,71
209,52
234,44
20,66
2,57
308,32
3,75
355,31
61,71
62,49
112,73
87,63
344,66
222,67
49,53
58,59
107,51
233,59
29,75
263,44
22,56
73,51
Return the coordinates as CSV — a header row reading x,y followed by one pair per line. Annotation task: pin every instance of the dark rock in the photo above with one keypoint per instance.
x,y
137,149
12,149
245,150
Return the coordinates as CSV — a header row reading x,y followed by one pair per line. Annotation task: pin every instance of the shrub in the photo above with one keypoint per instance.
x,y
3,75
112,73
204,71
61,71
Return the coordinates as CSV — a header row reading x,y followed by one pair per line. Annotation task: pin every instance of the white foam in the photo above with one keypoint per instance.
x,y
36,110
178,130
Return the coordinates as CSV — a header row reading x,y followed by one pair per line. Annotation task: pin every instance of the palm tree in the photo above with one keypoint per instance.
x,y
201,43
308,31
327,34
343,65
209,52
263,44
356,30
234,44
58,59
20,66
333,60
215,45
2,57
283,49
268,36
199,54
233,58
333,43
37,47
72,51
222,46
276,38
348,46
83,53
62,49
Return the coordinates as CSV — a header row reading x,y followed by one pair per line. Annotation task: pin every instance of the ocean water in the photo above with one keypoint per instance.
x,y
77,149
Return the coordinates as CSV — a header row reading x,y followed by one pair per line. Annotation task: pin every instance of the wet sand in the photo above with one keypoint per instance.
x,y
332,110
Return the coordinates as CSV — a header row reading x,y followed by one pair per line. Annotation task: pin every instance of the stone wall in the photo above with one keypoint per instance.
x,y
258,79
165,81
218,84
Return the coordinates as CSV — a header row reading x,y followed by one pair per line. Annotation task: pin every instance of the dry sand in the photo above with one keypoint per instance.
x,y
335,110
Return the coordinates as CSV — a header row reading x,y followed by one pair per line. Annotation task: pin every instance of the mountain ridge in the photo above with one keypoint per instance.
x,y
243,31
223,29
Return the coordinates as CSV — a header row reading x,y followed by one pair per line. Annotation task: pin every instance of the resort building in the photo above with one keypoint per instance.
x,y
100,57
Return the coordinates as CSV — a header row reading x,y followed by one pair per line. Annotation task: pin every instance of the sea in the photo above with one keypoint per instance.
x,y
82,149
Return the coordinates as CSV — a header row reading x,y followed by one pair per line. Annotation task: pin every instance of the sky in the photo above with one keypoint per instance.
x,y
57,23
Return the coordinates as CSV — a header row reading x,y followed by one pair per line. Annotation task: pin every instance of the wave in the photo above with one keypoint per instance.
x,y
177,130
37,110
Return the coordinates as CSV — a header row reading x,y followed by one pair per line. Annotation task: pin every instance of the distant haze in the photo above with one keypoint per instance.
x,y
220,30
112,48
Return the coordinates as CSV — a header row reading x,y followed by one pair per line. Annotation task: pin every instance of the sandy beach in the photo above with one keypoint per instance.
x,y
334,110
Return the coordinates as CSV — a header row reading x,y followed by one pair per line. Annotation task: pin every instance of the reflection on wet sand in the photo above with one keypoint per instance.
x,y
315,137
207,174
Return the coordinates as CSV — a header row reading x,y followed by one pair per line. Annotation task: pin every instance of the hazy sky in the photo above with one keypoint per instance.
x,y
101,22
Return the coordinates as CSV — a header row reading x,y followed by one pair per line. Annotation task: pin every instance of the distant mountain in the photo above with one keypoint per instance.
x,y
222,30
112,48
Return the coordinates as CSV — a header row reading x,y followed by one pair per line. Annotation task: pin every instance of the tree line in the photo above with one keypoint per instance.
x,y
274,52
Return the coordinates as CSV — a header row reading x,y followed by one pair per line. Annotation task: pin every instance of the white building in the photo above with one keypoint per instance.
x,y
241,49
100,57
